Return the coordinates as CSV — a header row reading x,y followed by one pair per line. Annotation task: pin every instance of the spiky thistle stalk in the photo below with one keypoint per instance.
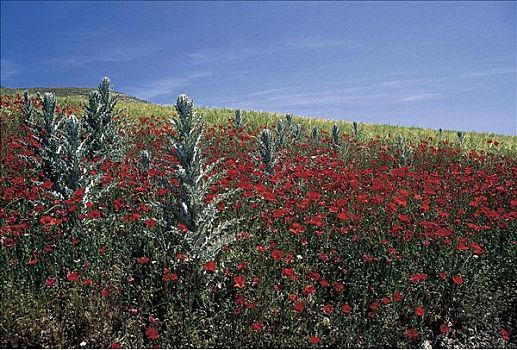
x,y
356,131
336,136
297,132
315,134
461,137
238,121
102,130
27,109
187,205
281,133
401,150
145,161
267,150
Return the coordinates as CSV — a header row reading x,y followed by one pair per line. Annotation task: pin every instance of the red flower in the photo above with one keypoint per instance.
x,y
418,277
150,223
457,280
310,289
50,282
105,292
210,266
277,254
169,277
444,329
328,309
94,214
296,228
116,345
339,287
505,334
152,333
314,339
343,216
183,228
299,307
257,326
239,281
87,282
419,311
412,334
346,309
143,260
72,277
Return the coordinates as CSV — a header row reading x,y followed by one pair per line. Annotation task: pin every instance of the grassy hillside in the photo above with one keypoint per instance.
x,y
78,92
122,230
134,108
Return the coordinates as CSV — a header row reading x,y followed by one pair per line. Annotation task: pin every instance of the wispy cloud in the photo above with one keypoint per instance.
x,y
316,43
387,92
167,85
216,55
9,70
421,97
111,54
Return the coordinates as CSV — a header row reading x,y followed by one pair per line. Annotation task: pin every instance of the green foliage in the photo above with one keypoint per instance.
x,y
268,150
206,236
98,120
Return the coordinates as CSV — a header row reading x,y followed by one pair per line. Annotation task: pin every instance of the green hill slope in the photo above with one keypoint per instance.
x,y
134,108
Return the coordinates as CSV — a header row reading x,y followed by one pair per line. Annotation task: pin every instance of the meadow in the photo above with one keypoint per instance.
x,y
129,224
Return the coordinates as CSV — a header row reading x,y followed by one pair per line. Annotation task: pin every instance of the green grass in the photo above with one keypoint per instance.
x,y
135,108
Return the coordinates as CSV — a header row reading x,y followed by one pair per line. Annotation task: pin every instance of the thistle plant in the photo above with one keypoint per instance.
x,y
281,132
102,130
27,109
336,136
205,237
461,137
238,121
401,149
297,132
145,161
356,130
315,134
45,133
73,173
267,150
289,120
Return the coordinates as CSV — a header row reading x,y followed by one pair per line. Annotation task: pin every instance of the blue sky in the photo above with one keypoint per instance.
x,y
439,64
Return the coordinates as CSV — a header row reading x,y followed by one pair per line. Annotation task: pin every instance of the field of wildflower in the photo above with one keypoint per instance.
x,y
125,224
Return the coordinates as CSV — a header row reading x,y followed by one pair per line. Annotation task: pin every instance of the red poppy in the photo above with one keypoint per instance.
x,y
210,266
116,345
152,333
444,329
419,311
412,334
257,326
346,309
277,254
417,277
505,334
143,260
314,339
169,277
150,223
310,289
50,282
299,307
328,309
239,281
457,280
72,277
